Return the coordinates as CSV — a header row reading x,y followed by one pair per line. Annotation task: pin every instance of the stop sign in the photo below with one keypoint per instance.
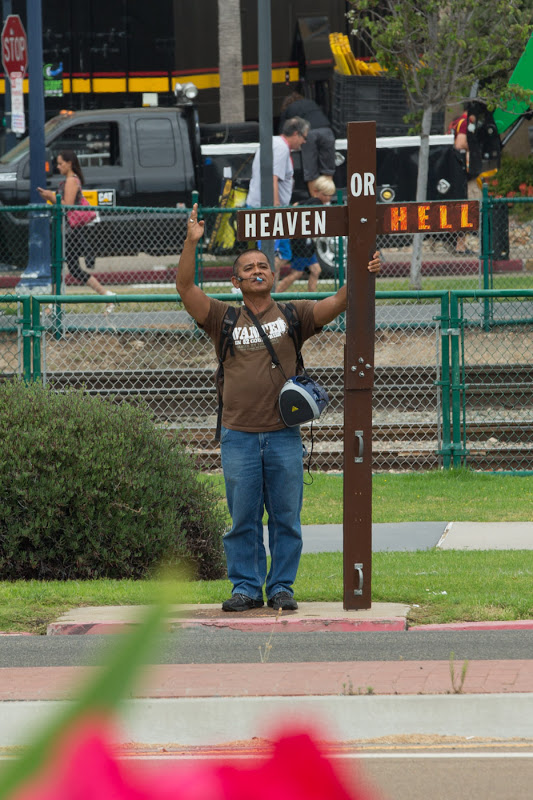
x,y
14,45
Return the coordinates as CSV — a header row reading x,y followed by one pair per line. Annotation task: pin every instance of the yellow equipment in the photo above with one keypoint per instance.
x,y
345,61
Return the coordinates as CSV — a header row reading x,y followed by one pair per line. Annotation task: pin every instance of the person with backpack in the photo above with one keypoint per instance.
x,y
262,458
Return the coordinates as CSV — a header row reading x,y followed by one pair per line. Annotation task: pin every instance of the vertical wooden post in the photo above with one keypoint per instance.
x,y
359,366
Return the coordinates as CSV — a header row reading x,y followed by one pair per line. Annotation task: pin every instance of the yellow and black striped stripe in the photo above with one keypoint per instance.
x,y
115,83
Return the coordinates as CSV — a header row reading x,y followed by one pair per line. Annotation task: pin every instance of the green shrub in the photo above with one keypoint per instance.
x,y
92,489
514,178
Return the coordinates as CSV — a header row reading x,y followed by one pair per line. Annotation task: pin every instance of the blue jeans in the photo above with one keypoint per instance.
x,y
263,470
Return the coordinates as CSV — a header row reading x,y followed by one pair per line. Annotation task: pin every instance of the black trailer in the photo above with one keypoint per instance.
x,y
119,54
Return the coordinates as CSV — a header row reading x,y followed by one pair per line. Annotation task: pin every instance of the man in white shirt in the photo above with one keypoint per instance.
x,y
294,134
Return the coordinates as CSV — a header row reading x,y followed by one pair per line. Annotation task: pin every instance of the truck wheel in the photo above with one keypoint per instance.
x,y
326,251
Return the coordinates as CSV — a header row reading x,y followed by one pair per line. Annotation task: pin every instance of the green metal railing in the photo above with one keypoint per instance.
x,y
16,327
505,236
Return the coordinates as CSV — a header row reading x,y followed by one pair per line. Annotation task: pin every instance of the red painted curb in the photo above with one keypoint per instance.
x,y
282,625
500,625
298,625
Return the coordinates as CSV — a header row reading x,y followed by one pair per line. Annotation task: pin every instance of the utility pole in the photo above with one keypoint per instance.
x,y
37,277
264,44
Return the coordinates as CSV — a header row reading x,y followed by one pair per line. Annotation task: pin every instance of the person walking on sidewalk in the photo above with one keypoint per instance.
x,y
76,243
262,458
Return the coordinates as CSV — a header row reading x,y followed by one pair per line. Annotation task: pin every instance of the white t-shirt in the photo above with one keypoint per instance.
x,y
281,167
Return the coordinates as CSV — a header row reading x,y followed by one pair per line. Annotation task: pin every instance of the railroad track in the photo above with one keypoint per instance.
x,y
168,392
188,396
401,446
391,377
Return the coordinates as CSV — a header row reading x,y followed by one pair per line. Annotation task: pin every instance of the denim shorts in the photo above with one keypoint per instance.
x,y
300,264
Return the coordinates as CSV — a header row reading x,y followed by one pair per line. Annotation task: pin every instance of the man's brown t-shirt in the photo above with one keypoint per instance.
x,y
251,385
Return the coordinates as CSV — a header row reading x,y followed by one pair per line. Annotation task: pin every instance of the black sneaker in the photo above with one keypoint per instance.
x,y
283,600
241,602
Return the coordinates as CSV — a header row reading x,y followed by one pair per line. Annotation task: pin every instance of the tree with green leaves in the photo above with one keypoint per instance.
x,y
439,50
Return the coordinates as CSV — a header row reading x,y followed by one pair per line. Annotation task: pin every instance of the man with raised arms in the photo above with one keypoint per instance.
x,y
262,458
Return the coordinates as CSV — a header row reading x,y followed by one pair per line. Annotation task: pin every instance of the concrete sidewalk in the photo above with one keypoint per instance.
x,y
310,617
229,704
402,536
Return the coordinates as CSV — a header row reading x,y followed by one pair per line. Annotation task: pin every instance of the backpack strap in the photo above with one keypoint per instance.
x,y
295,332
225,343
266,341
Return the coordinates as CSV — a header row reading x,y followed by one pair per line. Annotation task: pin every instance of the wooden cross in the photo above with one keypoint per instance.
x,y
360,220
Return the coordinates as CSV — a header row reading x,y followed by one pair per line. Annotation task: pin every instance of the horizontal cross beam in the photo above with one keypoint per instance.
x,y
292,223
314,221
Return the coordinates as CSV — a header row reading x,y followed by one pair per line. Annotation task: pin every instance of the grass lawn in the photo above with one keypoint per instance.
x,y
457,495
440,586
452,495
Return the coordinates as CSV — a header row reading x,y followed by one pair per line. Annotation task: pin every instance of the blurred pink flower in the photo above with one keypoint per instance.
x,y
85,766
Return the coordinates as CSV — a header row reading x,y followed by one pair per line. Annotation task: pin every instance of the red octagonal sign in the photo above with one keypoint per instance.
x,y
14,45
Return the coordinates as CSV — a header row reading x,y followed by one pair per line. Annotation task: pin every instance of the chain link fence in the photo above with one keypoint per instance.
x,y
148,349
507,248
432,404
14,240
493,405
449,260
124,249
407,407
498,256
137,249
453,381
